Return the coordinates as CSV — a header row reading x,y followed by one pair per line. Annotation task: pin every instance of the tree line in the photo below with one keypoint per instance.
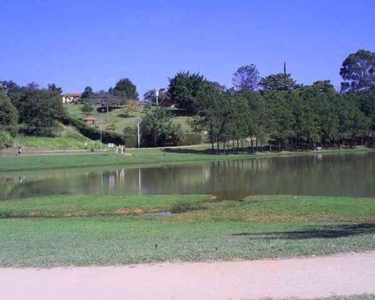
x,y
279,111
36,111
273,110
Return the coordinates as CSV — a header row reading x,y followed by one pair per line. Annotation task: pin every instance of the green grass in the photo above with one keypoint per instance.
x,y
84,205
121,118
258,227
68,138
138,157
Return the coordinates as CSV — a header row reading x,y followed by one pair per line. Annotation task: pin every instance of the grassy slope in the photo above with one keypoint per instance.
x,y
68,138
258,227
122,119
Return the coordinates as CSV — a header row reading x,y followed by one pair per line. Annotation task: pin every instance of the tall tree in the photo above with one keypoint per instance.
x,y
126,89
358,72
8,114
158,129
87,93
278,82
246,78
278,117
150,96
212,115
184,89
40,110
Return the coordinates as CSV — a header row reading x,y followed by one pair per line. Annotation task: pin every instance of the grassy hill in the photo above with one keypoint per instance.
x,y
119,118
67,138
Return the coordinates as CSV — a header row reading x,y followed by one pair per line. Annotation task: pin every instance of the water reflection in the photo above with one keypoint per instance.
x,y
349,175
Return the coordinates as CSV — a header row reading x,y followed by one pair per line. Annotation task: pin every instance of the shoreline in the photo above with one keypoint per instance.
x,y
146,157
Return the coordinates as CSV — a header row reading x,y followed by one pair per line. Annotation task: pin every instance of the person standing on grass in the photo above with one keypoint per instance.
x,y
19,150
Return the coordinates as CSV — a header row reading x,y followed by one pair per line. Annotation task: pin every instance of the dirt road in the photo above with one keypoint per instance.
x,y
308,278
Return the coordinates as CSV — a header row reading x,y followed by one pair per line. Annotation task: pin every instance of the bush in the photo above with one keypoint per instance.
x,y
94,134
191,139
6,140
8,115
130,141
130,136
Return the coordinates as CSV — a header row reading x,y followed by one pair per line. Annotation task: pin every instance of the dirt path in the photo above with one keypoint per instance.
x,y
308,278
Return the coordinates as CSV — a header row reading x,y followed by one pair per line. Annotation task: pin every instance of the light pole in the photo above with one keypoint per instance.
x,y
138,134
100,130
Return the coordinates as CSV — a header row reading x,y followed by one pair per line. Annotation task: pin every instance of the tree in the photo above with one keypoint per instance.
x,y
87,93
278,82
211,116
158,129
13,91
184,89
8,114
246,78
219,87
358,72
126,89
52,87
278,119
150,96
86,109
41,110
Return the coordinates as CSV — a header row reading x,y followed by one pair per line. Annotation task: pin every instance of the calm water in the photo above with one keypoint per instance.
x,y
335,175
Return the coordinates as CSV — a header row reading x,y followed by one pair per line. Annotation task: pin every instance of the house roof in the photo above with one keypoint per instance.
x,y
75,95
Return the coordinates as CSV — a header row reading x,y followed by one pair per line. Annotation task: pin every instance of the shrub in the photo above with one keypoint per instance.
x,y
191,139
8,115
130,136
94,134
6,140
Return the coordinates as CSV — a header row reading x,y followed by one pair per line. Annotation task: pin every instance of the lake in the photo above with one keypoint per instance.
x,y
350,174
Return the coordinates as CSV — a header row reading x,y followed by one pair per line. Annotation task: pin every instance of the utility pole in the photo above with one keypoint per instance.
x,y
100,130
139,134
157,97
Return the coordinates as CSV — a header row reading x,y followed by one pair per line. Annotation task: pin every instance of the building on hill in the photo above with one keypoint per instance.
x,y
91,121
71,97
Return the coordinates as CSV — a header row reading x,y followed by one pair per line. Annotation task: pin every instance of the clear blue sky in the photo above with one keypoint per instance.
x,y
75,43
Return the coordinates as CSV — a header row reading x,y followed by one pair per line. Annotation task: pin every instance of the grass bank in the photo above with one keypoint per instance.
x,y
143,156
254,228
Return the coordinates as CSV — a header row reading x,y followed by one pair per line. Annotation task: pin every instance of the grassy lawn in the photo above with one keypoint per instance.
x,y
68,138
138,157
121,118
203,229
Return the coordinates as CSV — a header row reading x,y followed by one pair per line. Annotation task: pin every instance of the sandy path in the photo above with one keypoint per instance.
x,y
312,277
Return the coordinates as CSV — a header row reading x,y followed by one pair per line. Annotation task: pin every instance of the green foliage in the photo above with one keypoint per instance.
x,y
191,139
358,72
278,116
278,82
184,90
94,133
126,89
158,129
8,115
40,110
6,140
88,92
86,109
130,136
246,78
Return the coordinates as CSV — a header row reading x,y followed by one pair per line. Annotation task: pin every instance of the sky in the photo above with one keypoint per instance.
x,y
77,43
